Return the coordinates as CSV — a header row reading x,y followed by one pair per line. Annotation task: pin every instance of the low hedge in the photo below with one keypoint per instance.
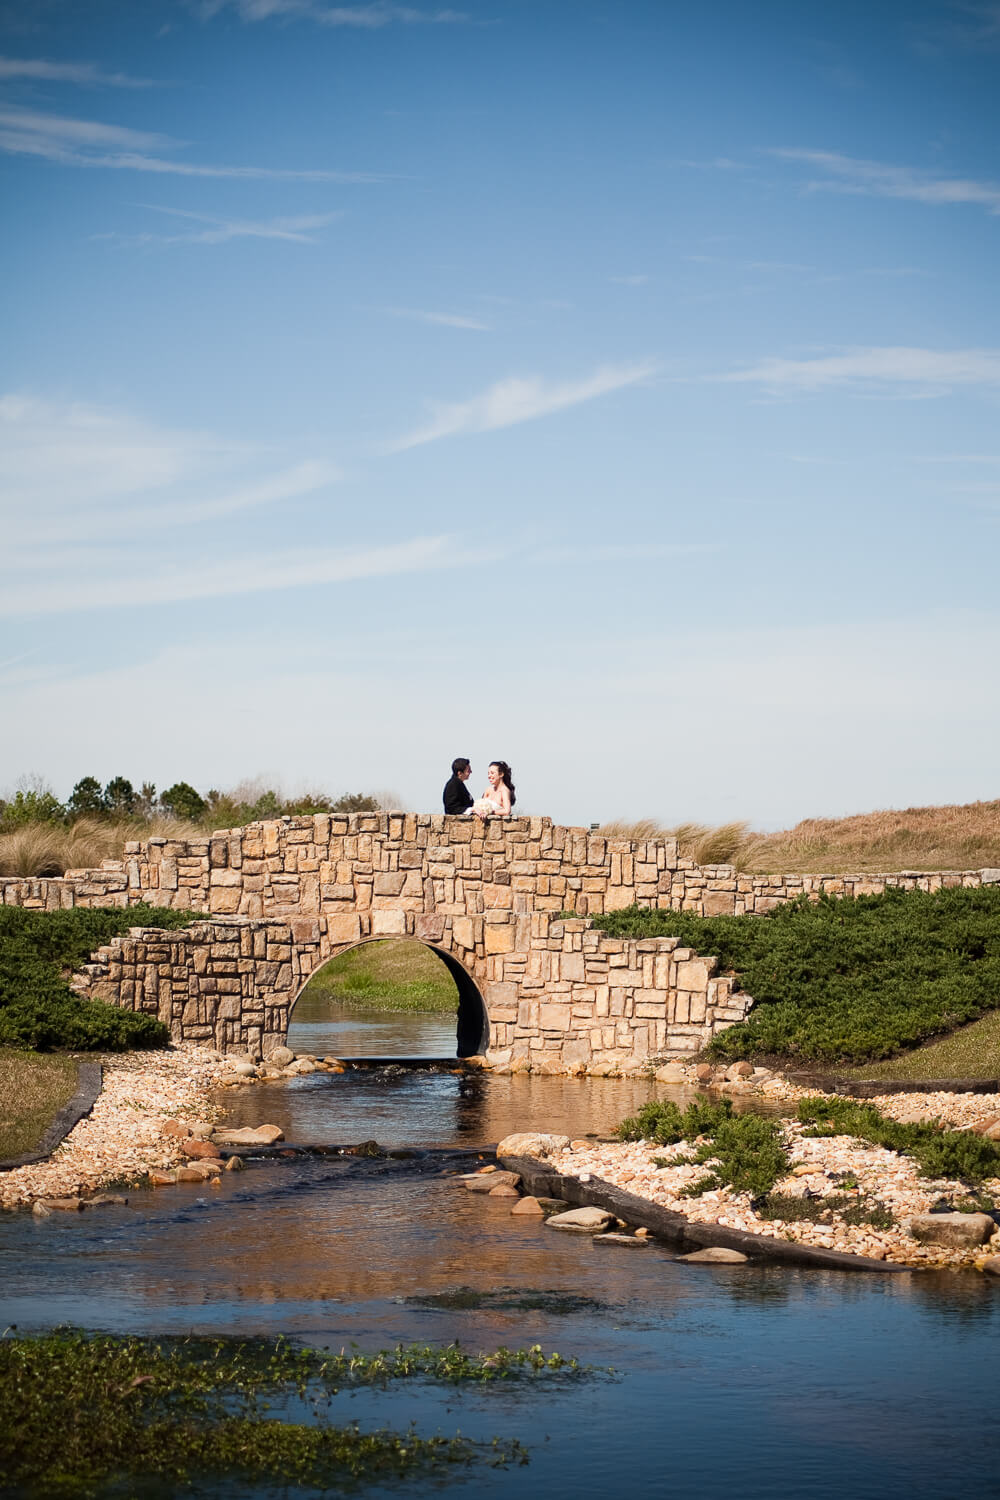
x,y
39,951
847,980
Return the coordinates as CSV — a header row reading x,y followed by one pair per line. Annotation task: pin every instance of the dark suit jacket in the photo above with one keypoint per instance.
x,y
456,797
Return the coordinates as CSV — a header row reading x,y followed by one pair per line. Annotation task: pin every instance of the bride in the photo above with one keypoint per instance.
x,y
498,798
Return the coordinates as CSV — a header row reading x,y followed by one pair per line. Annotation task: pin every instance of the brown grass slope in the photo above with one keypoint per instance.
x,y
965,837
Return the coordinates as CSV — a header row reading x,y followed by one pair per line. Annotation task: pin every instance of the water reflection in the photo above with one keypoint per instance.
x,y
325,1027
732,1379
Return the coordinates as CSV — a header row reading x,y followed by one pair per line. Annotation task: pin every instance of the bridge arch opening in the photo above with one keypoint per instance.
x,y
393,997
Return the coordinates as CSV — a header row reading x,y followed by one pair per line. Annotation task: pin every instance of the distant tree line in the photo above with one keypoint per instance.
x,y
119,800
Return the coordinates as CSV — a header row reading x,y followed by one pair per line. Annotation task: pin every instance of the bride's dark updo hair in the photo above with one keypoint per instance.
x,y
504,770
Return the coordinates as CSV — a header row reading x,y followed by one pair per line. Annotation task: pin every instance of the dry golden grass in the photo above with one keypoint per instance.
x,y
919,838
706,846
52,848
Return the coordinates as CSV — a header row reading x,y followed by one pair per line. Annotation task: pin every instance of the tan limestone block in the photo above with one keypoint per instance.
x,y
694,974
345,928
499,938
463,933
389,923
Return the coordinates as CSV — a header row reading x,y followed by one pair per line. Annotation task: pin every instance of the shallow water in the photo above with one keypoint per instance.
x,y
730,1379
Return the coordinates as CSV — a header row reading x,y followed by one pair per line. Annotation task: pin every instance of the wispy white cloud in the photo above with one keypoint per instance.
x,y
81,134
219,231
521,399
90,143
847,174
364,17
116,586
86,74
85,489
933,371
73,470
446,320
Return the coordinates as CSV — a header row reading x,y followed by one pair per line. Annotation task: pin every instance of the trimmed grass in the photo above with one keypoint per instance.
x,y
838,981
402,976
33,1089
971,1052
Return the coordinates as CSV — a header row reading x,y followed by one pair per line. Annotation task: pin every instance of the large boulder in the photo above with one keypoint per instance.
x,y
532,1143
716,1255
953,1231
488,1182
258,1135
193,1147
582,1220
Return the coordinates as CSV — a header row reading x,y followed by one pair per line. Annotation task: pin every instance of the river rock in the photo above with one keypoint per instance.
x,y
532,1143
193,1147
189,1174
243,1067
179,1128
503,1190
704,1072
619,1239
281,1057
103,1199
718,1255
670,1073
207,1169
991,1266
162,1179
481,1183
587,1220
529,1207
64,1205
955,1231
739,1070
250,1135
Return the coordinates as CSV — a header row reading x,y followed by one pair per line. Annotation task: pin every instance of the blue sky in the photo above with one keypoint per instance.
x,y
611,388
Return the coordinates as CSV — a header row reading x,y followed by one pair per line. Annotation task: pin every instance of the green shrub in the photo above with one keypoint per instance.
x,y
744,1152
38,950
940,1153
661,1121
846,980
821,1210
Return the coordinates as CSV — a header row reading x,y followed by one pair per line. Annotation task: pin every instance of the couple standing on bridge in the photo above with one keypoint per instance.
x,y
496,801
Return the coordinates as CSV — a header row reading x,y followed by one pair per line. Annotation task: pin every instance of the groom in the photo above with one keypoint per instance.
x,y
456,797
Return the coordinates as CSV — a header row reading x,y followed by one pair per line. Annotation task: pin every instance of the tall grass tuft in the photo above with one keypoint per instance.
x,y
40,849
729,843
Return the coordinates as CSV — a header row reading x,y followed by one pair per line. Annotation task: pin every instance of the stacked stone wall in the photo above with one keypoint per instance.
x,y
559,996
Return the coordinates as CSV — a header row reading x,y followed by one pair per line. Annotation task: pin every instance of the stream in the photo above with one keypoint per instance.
x,y
727,1380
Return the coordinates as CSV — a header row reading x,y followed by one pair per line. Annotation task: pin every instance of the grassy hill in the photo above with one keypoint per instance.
x,y
957,837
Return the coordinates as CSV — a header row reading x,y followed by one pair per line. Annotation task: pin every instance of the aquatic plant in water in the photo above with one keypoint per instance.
x,y
82,1412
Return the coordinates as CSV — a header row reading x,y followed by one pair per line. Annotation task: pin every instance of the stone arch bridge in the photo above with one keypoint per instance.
x,y
505,904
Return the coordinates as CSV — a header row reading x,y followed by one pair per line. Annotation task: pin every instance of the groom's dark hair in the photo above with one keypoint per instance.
x,y
461,764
